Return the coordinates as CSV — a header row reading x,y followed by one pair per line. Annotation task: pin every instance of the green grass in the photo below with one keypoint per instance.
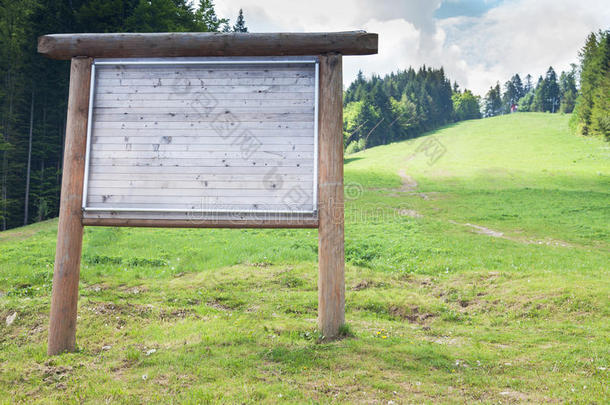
x,y
488,282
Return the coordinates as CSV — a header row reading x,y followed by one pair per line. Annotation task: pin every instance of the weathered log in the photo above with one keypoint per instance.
x,y
184,44
64,300
331,252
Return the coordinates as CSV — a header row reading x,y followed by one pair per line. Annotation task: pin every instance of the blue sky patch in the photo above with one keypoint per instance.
x,y
465,8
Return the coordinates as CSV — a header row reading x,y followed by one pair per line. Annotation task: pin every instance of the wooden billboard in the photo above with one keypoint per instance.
x,y
203,130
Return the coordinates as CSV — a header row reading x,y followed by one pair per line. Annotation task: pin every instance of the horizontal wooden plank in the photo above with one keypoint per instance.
x,y
203,82
156,221
170,193
261,184
260,170
201,217
186,103
260,137
224,66
199,117
100,88
162,111
197,162
223,126
202,205
193,82
190,140
170,76
204,98
228,179
202,155
228,148
189,44
203,128
197,213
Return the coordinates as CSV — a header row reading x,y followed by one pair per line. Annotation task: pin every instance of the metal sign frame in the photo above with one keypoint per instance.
x,y
301,60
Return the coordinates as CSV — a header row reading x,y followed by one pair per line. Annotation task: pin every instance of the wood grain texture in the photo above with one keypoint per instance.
x,y
133,45
331,253
64,300
204,135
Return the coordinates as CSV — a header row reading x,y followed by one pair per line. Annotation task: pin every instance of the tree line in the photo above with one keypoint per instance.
x,y
405,104
402,105
34,90
549,94
584,90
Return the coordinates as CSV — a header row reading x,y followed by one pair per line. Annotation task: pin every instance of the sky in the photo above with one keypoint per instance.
x,y
478,42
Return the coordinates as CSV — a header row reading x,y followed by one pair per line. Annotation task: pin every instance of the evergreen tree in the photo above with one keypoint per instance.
x,y
591,111
510,96
600,113
162,16
206,18
538,99
550,91
14,110
529,86
589,76
527,98
104,15
567,88
240,24
518,86
493,102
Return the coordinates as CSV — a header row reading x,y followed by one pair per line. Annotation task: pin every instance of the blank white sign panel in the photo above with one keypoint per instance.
x,y
179,137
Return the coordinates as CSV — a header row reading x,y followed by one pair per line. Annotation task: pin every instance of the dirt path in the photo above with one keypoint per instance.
x,y
408,182
408,186
485,231
521,239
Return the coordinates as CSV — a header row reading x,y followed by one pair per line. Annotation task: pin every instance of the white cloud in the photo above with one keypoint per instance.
x,y
396,50
524,36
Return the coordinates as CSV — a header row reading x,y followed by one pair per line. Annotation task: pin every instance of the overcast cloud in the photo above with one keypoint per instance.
x,y
478,42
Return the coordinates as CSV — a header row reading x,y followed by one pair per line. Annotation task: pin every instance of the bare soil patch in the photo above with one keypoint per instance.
x,y
411,314
482,230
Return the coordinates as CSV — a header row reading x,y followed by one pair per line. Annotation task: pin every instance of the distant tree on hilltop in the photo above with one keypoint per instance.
x,y
568,90
206,17
240,24
466,105
492,104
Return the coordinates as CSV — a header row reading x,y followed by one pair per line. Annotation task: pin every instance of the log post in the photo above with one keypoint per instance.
x,y
62,322
331,252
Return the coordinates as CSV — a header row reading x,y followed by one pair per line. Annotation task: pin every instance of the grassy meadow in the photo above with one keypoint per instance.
x,y
477,272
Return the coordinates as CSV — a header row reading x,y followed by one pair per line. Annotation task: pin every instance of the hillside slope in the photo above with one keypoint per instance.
x,y
523,173
518,150
479,274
